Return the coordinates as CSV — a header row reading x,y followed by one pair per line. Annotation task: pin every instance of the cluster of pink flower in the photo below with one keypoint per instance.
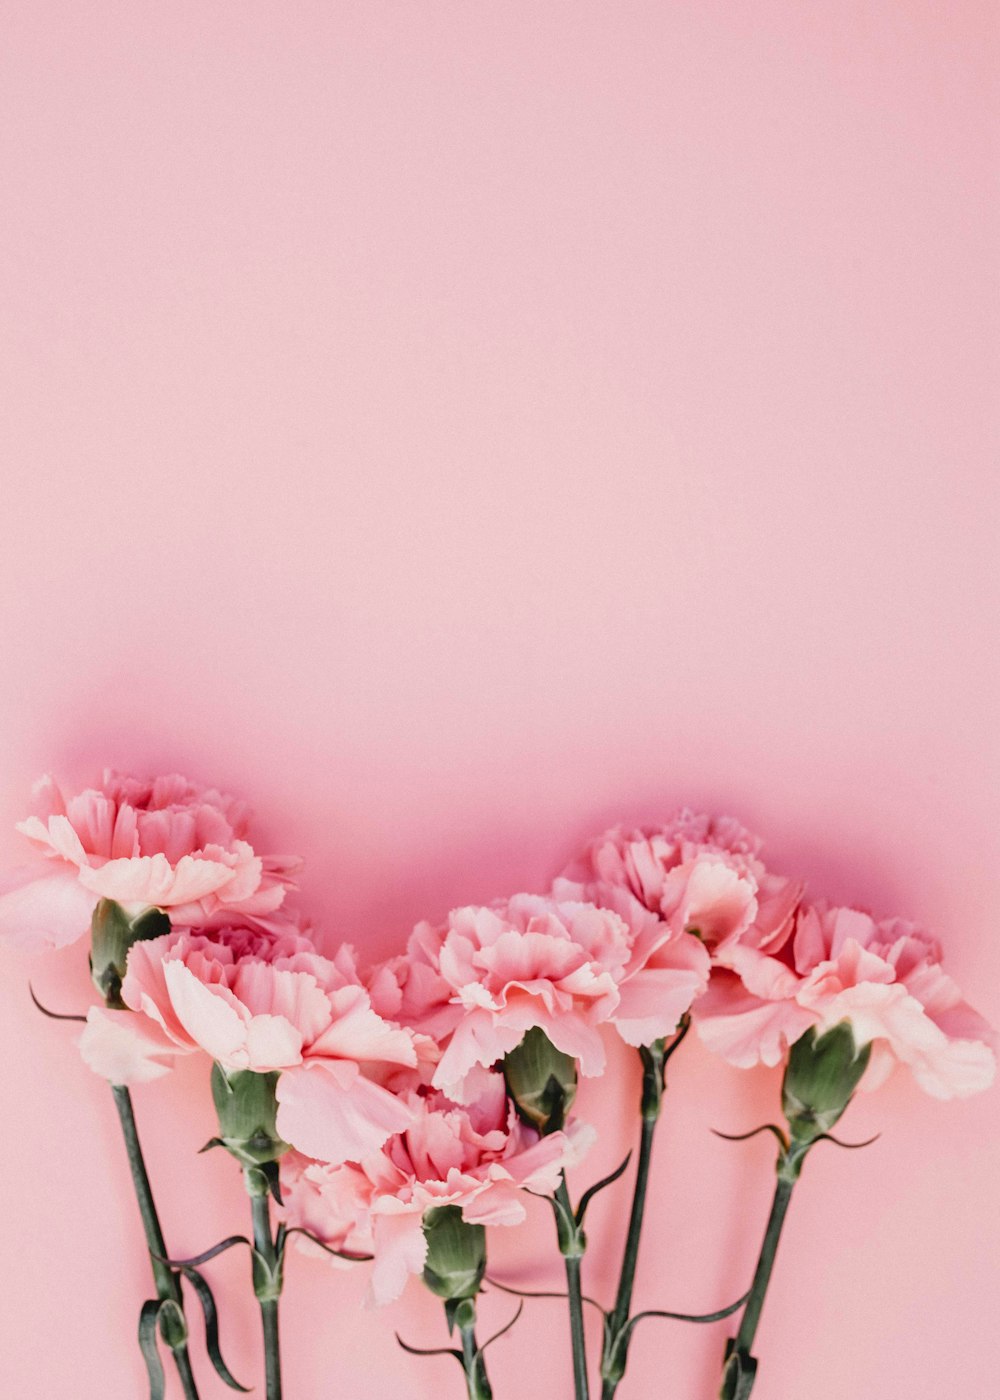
x,y
391,1096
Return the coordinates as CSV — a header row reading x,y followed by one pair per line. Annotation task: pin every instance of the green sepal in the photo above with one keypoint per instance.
x,y
456,1254
150,1351
247,1110
112,934
820,1079
541,1080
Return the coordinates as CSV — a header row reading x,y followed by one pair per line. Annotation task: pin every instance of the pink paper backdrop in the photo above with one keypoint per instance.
x,y
456,426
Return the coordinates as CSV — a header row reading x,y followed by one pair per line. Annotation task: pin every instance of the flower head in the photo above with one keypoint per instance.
x,y
269,1002
162,843
477,1157
840,965
697,875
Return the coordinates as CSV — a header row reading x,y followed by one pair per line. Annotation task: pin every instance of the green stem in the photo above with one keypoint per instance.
x,y
572,1244
167,1283
267,1286
654,1059
765,1266
623,1303
476,1381
740,1368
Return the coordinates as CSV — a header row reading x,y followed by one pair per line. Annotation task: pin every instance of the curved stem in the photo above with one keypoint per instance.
x,y
267,1286
572,1244
167,1283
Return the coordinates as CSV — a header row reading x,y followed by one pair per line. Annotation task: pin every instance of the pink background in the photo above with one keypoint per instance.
x,y
456,426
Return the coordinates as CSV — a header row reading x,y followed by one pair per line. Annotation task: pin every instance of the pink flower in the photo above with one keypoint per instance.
x,y
161,843
254,1000
884,977
478,1157
489,974
698,875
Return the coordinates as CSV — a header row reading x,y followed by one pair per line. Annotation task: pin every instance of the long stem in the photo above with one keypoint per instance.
x,y
572,1244
654,1059
739,1371
167,1284
267,1286
623,1302
765,1265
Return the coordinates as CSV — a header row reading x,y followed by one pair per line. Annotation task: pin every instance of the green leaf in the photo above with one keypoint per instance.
x,y
207,1300
592,1191
150,1351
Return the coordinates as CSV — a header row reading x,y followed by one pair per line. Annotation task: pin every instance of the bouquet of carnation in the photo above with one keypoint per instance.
x,y
384,1116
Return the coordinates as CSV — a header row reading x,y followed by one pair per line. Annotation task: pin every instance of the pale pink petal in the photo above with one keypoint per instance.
x,y
328,1110
43,906
400,1248
124,1047
208,1017
746,1031
272,1043
355,1032
152,880
478,1040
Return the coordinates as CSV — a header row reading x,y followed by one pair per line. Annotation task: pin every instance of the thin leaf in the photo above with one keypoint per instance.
x,y
52,1015
526,1293
687,1317
850,1146
506,1328
430,1351
745,1137
338,1253
212,1142
677,1041
207,1300
150,1351
198,1259
592,1191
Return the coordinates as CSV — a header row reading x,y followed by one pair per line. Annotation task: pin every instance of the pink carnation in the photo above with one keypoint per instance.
x,y
257,1001
884,977
698,875
161,843
489,974
478,1157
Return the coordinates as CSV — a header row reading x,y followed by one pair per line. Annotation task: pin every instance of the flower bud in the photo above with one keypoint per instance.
x,y
112,933
820,1079
247,1111
456,1254
541,1080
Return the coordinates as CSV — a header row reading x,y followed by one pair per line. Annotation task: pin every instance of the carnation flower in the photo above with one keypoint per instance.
x,y
698,875
477,1157
162,843
255,1000
486,976
884,978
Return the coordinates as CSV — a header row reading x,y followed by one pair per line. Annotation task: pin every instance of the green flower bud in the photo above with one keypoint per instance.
x,y
112,933
541,1080
247,1109
820,1079
456,1254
